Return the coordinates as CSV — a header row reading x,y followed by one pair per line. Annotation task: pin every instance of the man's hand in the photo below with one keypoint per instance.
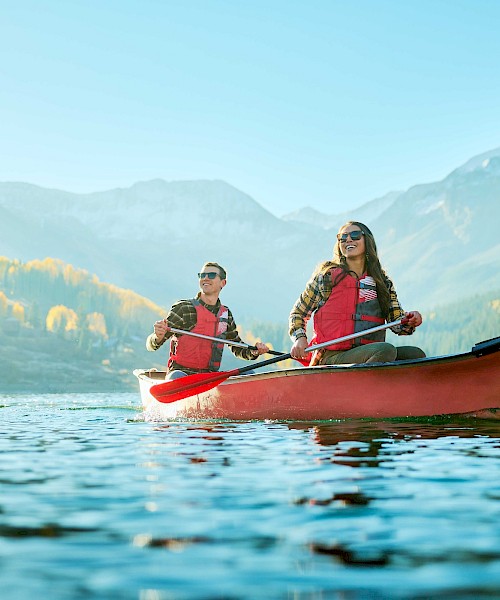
x,y
161,329
261,349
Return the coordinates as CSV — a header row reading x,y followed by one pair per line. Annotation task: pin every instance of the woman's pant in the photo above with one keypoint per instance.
x,y
370,353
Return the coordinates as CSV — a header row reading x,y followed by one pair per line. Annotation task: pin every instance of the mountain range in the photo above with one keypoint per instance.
x,y
438,241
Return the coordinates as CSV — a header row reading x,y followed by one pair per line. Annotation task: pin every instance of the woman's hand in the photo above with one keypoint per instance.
x,y
298,348
414,318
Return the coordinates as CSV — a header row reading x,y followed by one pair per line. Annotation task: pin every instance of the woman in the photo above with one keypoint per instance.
x,y
350,294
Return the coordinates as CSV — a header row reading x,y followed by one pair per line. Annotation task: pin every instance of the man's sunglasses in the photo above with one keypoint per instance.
x,y
355,235
210,275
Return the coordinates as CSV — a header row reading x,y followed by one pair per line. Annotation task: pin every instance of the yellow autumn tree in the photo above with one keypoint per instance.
x,y
18,311
52,266
61,319
74,276
3,304
96,323
4,265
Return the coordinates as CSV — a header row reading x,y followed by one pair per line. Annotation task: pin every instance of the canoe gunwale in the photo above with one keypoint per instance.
x,y
157,375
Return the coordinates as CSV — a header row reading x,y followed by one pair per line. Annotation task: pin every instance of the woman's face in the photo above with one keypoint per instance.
x,y
351,241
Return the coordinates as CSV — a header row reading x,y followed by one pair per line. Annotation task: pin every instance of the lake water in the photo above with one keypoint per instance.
x,y
97,503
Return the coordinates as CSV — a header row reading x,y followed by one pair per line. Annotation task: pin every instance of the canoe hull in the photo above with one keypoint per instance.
x,y
459,384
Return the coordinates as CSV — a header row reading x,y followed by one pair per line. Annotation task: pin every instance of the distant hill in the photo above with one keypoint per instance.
x,y
61,329
438,241
366,213
457,326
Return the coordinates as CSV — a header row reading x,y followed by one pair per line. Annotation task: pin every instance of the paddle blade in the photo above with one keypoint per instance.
x,y
177,389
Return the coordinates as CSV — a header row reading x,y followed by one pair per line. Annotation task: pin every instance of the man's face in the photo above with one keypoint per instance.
x,y
210,280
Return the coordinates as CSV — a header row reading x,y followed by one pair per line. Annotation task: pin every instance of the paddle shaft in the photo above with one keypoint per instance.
x,y
220,340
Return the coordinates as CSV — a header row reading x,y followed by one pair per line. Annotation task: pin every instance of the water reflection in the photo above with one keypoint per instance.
x,y
349,557
367,443
331,433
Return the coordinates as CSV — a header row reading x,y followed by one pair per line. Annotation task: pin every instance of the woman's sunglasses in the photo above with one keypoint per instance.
x,y
210,275
355,235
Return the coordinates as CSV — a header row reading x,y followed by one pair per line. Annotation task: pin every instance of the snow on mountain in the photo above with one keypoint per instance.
x,y
481,161
429,202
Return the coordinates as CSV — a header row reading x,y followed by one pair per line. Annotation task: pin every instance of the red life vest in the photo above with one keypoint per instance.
x,y
196,353
352,306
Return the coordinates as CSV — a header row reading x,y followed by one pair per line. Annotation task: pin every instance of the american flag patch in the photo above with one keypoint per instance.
x,y
222,324
368,289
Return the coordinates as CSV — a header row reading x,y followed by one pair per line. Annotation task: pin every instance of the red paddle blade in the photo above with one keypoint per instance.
x,y
177,389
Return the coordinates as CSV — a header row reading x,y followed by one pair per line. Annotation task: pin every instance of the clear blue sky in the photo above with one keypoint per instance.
x,y
322,103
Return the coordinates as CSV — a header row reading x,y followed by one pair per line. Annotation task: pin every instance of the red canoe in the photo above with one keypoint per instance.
x,y
456,384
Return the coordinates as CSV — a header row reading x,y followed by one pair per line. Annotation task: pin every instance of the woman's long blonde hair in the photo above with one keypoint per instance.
x,y
372,265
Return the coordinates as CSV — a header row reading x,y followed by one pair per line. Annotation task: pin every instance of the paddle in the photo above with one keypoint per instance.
x,y
220,340
177,389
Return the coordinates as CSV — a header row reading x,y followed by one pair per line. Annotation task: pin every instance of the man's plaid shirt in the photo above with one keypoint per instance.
x,y
317,292
182,315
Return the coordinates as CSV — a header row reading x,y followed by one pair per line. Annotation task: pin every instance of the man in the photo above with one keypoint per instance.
x,y
205,315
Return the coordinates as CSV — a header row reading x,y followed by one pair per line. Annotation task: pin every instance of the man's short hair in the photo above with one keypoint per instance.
x,y
222,271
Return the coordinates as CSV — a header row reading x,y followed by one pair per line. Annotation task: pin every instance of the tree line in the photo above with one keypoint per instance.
x,y
55,297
